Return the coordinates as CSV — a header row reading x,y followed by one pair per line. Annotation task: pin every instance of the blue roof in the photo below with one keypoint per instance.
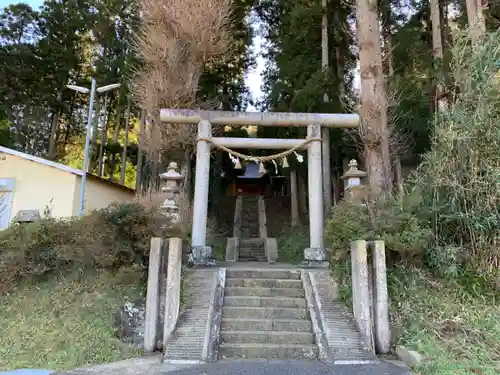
x,y
251,171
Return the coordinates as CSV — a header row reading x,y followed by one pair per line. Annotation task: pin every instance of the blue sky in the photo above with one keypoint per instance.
x,y
33,3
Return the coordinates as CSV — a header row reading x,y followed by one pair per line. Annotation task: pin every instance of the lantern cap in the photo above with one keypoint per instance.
x,y
353,171
171,173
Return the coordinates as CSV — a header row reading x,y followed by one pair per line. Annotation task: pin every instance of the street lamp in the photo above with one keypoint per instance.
x,y
92,91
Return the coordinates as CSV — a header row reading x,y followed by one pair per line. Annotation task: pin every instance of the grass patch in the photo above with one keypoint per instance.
x,y
452,323
66,322
218,243
291,244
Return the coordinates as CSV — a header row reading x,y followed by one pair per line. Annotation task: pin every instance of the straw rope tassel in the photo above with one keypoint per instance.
x,y
285,163
237,165
262,169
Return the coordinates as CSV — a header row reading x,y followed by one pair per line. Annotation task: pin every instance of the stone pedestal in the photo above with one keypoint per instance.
x,y
360,291
380,299
232,247
173,288
315,257
153,295
202,256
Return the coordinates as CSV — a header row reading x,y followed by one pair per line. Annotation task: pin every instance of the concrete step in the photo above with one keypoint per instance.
x,y
264,292
271,337
251,250
265,301
263,274
291,325
235,312
252,241
252,259
252,253
264,283
268,351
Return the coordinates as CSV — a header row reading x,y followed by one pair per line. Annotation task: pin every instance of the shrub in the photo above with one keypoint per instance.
x,y
445,261
450,213
110,238
459,177
291,244
395,220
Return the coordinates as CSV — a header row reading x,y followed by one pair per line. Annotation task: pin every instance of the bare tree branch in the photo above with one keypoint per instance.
x,y
176,40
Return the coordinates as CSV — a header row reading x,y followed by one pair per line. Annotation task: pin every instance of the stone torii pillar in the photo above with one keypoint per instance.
x,y
315,255
202,253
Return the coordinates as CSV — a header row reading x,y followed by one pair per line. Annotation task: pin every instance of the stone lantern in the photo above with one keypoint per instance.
x,y
353,177
171,188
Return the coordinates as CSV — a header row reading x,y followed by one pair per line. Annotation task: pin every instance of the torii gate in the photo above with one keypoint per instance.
x,y
315,255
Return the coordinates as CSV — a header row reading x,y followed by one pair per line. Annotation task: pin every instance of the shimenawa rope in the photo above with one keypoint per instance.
x,y
261,159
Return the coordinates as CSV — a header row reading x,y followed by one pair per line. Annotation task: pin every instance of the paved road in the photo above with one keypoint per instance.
x,y
286,368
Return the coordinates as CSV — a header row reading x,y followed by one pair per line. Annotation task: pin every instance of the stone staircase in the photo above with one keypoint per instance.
x,y
187,342
265,316
252,250
242,312
250,218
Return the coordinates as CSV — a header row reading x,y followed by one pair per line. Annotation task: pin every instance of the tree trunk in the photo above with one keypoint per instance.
x,y
103,141
339,61
325,132
475,17
53,135
138,172
374,129
390,64
437,41
93,143
53,131
398,172
302,193
125,144
438,54
294,199
115,139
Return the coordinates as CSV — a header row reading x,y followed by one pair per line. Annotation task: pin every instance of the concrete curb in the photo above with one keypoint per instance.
x,y
325,354
410,357
134,366
216,317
